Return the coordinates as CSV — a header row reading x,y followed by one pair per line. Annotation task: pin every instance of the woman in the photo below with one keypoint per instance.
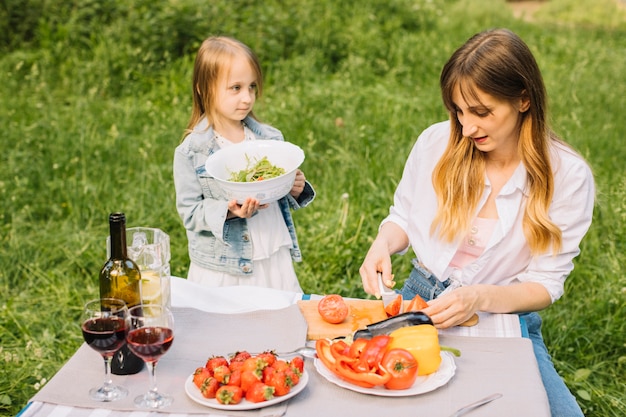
x,y
493,203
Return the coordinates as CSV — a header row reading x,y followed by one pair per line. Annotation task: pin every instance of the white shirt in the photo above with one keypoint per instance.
x,y
507,257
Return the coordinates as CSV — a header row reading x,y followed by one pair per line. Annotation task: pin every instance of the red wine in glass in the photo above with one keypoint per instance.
x,y
105,334
150,336
105,326
150,343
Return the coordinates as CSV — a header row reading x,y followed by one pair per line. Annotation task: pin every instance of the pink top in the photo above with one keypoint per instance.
x,y
474,243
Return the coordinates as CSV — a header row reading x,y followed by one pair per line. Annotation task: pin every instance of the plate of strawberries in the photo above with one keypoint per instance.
x,y
246,381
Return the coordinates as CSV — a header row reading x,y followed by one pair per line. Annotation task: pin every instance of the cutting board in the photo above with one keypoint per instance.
x,y
362,313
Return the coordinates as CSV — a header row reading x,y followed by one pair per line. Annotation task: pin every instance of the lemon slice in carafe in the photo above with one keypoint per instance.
x,y
150,287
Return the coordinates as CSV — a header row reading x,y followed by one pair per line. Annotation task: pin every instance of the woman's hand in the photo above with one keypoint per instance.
x,y
454,307
377,260
391,239
245,210
298,184
460,304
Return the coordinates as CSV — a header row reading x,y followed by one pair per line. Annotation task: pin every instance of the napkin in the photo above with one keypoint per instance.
x,y
197,336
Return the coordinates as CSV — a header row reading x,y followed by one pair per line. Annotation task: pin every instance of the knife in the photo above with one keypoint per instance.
x,y
388,295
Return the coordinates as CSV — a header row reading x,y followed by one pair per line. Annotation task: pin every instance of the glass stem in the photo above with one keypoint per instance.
x,y
153,384
108,382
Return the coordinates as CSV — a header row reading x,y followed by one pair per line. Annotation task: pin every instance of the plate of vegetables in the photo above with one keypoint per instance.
x,y
408,361
246,382
261,169
422,384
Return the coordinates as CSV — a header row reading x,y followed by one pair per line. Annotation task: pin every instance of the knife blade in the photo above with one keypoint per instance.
x,y
387,294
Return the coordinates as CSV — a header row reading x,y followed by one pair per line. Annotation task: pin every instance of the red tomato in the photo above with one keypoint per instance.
x,y
393,308
402,367
333,308
417,304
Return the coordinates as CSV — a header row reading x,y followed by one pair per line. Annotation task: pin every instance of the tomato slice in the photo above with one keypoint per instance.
x,y
393,308
402,366
417,304
333,308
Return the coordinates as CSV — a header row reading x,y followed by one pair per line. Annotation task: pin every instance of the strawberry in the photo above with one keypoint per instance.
x,y
269,357
267,373
200,375
209,387
238,359
281,365
215,361
259,392
293,377
254,364
278,380
240,356
297,363
248,378
235,378
222,374
229,394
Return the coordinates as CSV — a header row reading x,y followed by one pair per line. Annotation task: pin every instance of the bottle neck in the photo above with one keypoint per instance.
x,y
118,239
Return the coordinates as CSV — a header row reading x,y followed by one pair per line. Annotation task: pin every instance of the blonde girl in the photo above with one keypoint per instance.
x,y
230,243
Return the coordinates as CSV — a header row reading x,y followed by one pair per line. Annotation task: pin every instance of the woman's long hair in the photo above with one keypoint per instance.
x,y
213,62
496,62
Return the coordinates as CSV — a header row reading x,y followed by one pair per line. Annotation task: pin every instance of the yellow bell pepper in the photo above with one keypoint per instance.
x,y
423,343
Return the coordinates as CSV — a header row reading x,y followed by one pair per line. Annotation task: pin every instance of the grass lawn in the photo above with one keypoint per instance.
x,y
95,97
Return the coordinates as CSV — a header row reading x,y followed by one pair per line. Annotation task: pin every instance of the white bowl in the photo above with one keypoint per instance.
x,y
285,155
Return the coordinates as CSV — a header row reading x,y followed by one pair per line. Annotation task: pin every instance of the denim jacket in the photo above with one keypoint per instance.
x,y
215,242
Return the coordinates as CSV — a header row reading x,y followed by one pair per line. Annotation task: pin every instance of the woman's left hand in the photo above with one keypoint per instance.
x,y
453,308
298,184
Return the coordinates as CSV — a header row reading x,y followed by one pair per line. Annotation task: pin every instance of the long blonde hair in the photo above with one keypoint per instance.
x,y
213,62
498,63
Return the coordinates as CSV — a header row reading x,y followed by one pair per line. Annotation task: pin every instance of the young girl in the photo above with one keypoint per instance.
x,y
229,243
493,204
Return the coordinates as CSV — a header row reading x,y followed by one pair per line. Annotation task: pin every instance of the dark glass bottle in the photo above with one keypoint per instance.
x,y
120,278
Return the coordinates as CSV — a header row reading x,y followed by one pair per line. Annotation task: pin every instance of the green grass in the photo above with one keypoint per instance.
x,y
93,106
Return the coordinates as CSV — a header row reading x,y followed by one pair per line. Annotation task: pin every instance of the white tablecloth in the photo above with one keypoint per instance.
x,y
489,364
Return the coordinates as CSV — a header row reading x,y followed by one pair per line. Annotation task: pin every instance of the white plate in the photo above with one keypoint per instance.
x,y
422,385
194,393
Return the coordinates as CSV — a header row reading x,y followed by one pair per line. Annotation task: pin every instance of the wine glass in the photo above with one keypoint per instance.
x,y
104,326
150,335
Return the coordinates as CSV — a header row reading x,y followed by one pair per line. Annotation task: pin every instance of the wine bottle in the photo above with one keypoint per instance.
x,y
120,278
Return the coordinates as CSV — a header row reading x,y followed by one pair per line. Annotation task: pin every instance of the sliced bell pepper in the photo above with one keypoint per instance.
x,y
363,379
373,352
322,349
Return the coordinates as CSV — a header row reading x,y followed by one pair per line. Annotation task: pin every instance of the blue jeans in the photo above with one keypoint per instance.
x,y
562,403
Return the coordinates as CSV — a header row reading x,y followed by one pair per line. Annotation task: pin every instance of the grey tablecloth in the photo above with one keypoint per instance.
x,y
487,365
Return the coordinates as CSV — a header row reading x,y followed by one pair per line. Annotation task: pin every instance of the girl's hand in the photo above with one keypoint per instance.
x,y
298,184
245,210
454,307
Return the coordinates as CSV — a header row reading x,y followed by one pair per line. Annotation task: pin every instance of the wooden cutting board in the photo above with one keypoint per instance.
x,y
362,313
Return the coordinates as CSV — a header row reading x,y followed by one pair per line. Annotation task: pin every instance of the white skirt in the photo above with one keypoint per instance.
x,y
274,272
